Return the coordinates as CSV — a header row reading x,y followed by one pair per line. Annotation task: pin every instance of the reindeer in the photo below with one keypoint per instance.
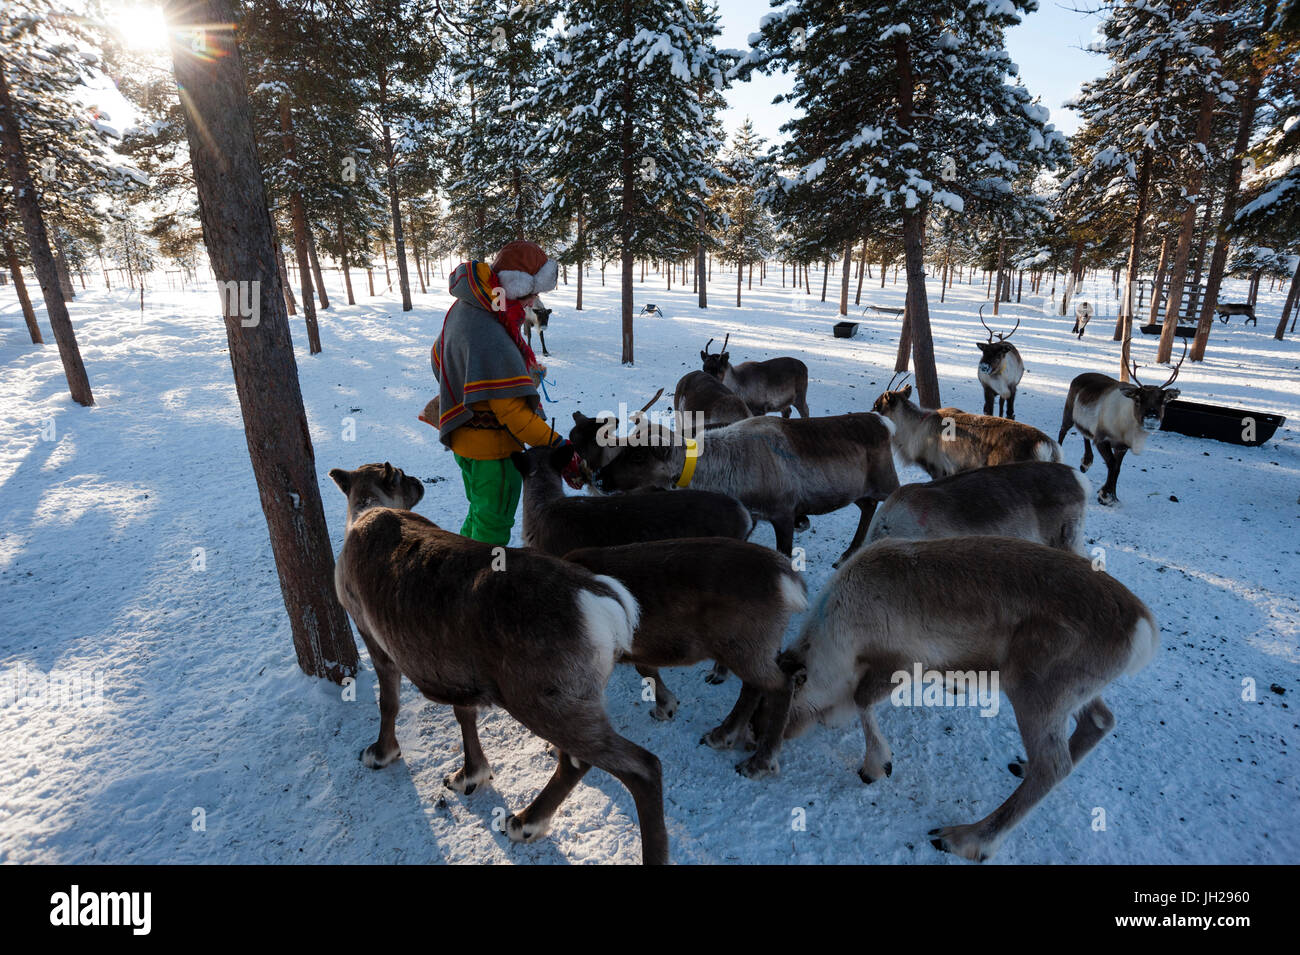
x,y
1116,415
537,316
772,385
556,523
780,468
1000,370
1038,501
949,440
698,396
472,625
710,599
1082,315
1053,631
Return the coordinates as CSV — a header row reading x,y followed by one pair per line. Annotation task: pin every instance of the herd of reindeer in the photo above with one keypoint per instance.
x,y
980,569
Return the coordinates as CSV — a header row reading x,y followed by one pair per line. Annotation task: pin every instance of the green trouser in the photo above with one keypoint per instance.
x,y
493,489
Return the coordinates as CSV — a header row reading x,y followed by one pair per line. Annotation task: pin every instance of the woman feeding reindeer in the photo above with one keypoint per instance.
x,y
488,376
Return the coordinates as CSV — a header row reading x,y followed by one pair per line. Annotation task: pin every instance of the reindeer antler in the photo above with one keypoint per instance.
x,y
1003,338
1133,369
1176,367
646,407
725,340
706,345
985,324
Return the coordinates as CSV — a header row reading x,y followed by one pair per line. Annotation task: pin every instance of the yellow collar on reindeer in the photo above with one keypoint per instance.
x,y
692,456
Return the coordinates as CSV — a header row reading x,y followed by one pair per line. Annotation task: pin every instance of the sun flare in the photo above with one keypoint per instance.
x,y
141,26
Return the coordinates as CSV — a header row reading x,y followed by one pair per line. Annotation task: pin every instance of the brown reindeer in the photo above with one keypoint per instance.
x,y
1000,370
711,599
701,401
772,385
472,625
949,440
1053,631
1116,415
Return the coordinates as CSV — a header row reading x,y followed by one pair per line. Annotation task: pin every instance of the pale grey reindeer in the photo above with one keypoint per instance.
x,y
537,316
764,386
1040,501
472,625
1000,370
1082,315
1117,416
714,599
1055,631
782,469
950,440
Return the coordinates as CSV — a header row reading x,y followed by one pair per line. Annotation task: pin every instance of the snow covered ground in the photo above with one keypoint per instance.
x,y
211,746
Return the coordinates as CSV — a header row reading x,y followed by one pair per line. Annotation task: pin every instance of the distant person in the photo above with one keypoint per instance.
x,y
488,378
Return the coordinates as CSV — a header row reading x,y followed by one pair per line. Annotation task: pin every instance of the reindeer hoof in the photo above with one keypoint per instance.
x,y
755,768
961,841
465,784
717,676
803,523
664,711
374,760
1107,498
717,739
526,832
869,777
1017,768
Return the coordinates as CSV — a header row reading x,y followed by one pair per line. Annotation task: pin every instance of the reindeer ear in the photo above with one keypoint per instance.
x,y
704,356
1171,394
342,478
520,461
388,474
907,391
1128,390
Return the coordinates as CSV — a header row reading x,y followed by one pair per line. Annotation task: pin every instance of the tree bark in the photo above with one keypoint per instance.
x,y
1219,257
241,246
1291,299
395,209
862,271
29,315
315,270
844,278
1158,283
582,251
629,196
826,274
61,264
1187,228
298,216
38,245
918,309
284,277
904,353
1002,261
1124,323
343,261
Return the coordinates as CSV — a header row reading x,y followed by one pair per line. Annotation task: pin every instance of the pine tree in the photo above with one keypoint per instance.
x,y
747,232
933,78
240,244
625,128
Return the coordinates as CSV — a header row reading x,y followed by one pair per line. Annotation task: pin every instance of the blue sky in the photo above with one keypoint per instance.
x,y
1047,46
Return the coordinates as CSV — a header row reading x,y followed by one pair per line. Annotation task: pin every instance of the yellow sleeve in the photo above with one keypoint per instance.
x,y
523,422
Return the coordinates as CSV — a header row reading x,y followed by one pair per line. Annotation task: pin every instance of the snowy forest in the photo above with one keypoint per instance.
x,y
228,282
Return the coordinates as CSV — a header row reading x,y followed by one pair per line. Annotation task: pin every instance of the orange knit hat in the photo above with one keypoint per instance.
x,y
524,269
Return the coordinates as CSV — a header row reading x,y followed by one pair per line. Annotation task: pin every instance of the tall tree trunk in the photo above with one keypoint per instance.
x,y
701,286
103,267
343,261
1124,324
1292,298
826,274
904,354
862,271
38,247
1076,261
301,238
15,269
918,308
284,277
395,209
61,265
582,250
1002,261
370,278
241,246
844,279
1219,257
1158,283
315,270
629,197
1187,228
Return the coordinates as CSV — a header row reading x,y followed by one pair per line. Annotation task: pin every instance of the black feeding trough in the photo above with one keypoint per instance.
x,y
1233,425
846,329
1180,331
